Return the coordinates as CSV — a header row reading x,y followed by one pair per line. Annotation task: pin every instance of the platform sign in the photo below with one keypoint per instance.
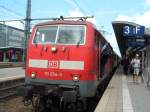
x,y
127,31
133,31
138,42
135,44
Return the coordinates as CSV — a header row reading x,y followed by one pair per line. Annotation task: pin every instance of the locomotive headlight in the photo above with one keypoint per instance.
x,y
75,78
33,75
53,49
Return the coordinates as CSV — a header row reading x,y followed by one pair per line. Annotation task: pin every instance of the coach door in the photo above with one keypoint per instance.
x,y
97,42
99,56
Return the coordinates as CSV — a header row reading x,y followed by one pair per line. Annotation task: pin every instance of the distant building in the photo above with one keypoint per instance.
x,y
12,44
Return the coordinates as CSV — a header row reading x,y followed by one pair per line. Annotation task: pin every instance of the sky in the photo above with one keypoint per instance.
x,y
104,12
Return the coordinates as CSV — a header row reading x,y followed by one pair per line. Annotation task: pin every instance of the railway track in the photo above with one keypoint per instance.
x,y
8,88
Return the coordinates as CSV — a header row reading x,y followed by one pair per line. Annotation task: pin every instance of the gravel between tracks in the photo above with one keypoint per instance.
x,y
14,105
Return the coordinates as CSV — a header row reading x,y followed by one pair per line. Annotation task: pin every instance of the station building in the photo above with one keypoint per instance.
x,y
12,44
133,39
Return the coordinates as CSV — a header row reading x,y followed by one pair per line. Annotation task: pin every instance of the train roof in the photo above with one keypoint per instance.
x,y
69,22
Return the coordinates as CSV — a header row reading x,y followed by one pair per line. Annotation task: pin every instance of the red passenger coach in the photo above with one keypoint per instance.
x,y
65,64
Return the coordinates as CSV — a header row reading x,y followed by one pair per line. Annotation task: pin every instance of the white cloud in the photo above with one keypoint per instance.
x,y
142,19
147,2
77,13
124,18
15,24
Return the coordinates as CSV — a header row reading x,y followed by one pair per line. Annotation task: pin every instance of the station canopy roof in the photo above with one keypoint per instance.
x,y
129,44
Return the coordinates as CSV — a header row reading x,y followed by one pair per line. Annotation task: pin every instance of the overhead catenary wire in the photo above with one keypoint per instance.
x,y
85,13
11,11
79,7
18,14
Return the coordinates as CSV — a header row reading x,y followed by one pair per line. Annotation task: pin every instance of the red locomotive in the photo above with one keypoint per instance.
x,y
67,60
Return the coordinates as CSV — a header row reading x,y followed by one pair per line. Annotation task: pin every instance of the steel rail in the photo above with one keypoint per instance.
x,y
9,88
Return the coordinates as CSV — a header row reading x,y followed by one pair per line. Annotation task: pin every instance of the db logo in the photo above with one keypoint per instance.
x,y
53,64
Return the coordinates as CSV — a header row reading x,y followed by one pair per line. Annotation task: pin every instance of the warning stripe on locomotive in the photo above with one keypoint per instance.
x,y
73,65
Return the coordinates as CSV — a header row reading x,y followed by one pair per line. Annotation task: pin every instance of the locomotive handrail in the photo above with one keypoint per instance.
x,y
62,18
58,18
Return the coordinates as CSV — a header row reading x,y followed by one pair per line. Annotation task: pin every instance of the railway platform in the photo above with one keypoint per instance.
x,y
122,95
11,73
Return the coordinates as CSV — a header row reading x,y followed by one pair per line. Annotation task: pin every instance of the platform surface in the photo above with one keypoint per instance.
x,y
123,95
11,73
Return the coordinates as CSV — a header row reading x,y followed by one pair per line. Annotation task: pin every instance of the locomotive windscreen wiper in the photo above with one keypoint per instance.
x,y
78,43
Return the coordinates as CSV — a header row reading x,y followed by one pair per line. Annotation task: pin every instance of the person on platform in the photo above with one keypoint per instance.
x,y
125,64
135,63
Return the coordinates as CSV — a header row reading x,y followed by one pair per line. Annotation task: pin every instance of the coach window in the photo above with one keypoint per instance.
x,y
97,40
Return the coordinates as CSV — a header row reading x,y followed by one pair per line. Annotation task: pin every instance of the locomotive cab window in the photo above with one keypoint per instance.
x,y
71,35
60,34
46,34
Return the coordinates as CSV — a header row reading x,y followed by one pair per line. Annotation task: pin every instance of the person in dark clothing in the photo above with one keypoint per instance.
x,y
104,59
125,64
